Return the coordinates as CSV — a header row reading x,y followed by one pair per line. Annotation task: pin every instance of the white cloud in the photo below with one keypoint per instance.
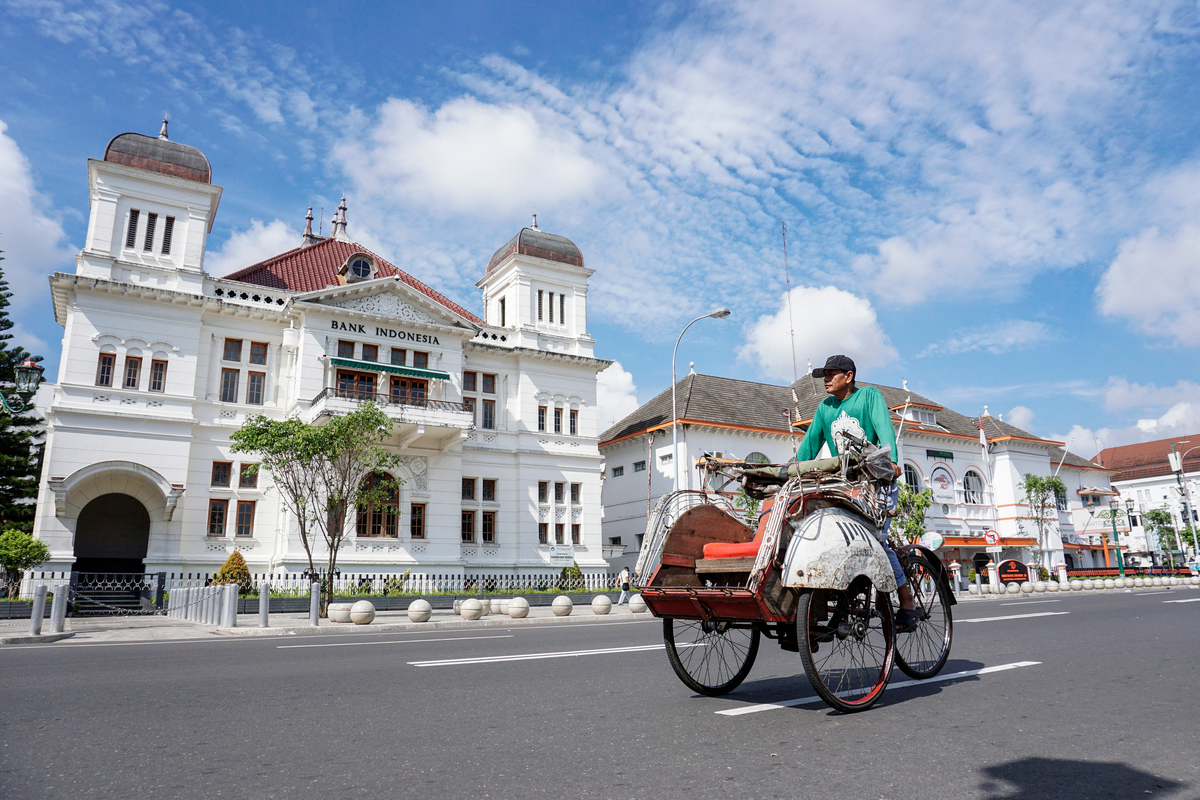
x,y
1120,394
470,158
1154,282
616,395
826,321
1020,416
1001,337
33,241
1181,419
250,246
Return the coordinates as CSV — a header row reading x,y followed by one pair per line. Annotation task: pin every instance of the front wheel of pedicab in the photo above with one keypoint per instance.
x,y
711,658
851,644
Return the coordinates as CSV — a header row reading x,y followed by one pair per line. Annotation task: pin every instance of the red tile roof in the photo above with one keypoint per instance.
x,y
1147,459
307,269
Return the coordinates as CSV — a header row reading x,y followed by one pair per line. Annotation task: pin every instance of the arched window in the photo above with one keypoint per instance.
x,y
912,478
972,488
379,518
757,458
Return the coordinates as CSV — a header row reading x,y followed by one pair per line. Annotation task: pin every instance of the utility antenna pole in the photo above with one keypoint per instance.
x,y
787,276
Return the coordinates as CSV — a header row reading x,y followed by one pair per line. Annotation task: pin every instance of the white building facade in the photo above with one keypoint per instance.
x,y
494,416
1146,479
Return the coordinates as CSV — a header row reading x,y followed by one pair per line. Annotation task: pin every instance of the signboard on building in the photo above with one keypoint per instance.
x,y
942,484
1013,571
932,539
991,538
562,555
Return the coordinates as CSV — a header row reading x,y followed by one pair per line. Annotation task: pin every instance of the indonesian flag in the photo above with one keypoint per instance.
x,y
983,443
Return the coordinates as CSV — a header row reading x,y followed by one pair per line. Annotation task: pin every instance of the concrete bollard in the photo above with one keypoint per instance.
x,y
58,611
314,604
206,605
193,600
978,584
232,601
39,608
264,605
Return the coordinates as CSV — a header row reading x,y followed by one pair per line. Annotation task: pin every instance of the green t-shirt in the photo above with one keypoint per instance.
x,y
863,413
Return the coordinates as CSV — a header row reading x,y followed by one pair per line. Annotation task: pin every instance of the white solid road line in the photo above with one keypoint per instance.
x,y
449,662
1015,616
1192,600
803,701
394,641
1030,602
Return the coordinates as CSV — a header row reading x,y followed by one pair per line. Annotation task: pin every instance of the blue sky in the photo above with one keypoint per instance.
x,y
1000,203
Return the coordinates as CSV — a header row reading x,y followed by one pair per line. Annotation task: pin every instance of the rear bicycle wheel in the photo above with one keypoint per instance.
x,y
711,658
922,652
848,644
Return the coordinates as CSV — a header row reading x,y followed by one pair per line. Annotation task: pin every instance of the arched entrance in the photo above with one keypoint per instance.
x,y
112,535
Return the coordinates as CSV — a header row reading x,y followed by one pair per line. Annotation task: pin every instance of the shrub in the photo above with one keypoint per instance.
x,y
971,575
19,551
1043,574
570,577
234,570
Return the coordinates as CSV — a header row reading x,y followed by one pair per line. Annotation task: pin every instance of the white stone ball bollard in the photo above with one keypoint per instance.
x,y
485,606
362,612
1109,583
1014,588
500,606
1195,581
1026,587
458,607
1040,587
1052,586
1074,586
1156,581
420,611
972,588
637,604
601,604
1138,583
518,608
1089,584
1174,580
562,606
471,609
339,612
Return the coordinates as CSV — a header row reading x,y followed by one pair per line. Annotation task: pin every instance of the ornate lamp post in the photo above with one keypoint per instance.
x,y
1177,464
1113,510
716,313
1129,514
28,375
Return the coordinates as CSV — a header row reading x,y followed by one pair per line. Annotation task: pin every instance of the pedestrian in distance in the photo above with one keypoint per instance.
x,y
623,582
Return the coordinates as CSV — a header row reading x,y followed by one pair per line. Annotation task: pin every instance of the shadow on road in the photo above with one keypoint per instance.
x,y
1054,778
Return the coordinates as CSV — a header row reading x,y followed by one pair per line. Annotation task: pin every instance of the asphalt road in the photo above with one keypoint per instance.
x,y
1101,714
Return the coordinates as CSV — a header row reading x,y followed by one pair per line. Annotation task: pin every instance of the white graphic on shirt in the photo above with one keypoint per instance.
x,y
845,424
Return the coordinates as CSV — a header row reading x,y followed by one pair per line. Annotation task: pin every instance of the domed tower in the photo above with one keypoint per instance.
x,y
536,286
152,206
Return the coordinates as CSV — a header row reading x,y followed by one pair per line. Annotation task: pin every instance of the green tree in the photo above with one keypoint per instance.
x,y
1158,523
20,434
909,522
320,472
748,506
1042,495
18,552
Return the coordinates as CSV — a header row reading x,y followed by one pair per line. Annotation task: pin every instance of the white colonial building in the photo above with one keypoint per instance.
x,y
940,450
1147,479
495,415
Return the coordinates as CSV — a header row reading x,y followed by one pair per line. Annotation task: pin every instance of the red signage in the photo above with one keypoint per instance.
x,y
1013,571
991,538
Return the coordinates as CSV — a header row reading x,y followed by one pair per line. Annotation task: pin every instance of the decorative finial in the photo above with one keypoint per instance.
x,y
309,238
692,367
339,222
1001,417
534,225
162,134
905,383
985,412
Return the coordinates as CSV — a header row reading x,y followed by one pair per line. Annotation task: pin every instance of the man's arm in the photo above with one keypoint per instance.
x,y
814,437
881,421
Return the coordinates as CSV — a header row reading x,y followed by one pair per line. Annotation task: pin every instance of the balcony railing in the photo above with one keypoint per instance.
x,y
382,399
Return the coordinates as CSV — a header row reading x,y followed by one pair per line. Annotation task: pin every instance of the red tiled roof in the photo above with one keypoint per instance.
x,y
307,269
1146,459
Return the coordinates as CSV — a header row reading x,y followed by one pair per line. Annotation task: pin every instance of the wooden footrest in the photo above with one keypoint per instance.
x,y
724,564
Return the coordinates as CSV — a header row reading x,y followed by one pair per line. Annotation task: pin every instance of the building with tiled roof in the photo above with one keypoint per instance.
x,y
1147,479
494,416
939,449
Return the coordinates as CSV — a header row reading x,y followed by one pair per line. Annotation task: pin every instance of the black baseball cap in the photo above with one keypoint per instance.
x,y
844,363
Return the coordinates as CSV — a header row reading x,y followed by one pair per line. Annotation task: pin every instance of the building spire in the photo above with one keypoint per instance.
x,y
339,222
309,237
162,134
534,225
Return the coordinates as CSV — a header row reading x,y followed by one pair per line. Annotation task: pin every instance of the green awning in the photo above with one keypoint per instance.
x,y
396,369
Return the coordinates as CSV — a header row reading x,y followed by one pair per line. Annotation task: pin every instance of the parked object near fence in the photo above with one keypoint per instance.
x,y
420,611
471,609
518,608
601,605
339,612
562,606
637,605
362,612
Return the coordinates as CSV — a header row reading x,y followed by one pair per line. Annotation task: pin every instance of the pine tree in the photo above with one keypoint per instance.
x,y
234,570
20,435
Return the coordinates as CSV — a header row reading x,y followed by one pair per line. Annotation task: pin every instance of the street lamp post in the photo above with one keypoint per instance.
x,y
1185,493
28,376
1129,515
1114,510
716,313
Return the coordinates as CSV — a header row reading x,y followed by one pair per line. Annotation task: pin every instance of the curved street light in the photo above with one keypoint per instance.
x,y
28,375
716,313
1187,496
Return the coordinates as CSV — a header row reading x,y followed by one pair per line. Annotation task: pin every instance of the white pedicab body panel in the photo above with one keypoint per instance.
x,y
830,548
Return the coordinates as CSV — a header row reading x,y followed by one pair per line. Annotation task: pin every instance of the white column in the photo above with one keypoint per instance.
x,y
214,360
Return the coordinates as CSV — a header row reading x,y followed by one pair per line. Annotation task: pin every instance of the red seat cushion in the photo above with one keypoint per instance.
x,y
731,549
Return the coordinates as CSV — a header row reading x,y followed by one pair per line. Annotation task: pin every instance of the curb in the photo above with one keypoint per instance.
x,y
408,627
42,639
